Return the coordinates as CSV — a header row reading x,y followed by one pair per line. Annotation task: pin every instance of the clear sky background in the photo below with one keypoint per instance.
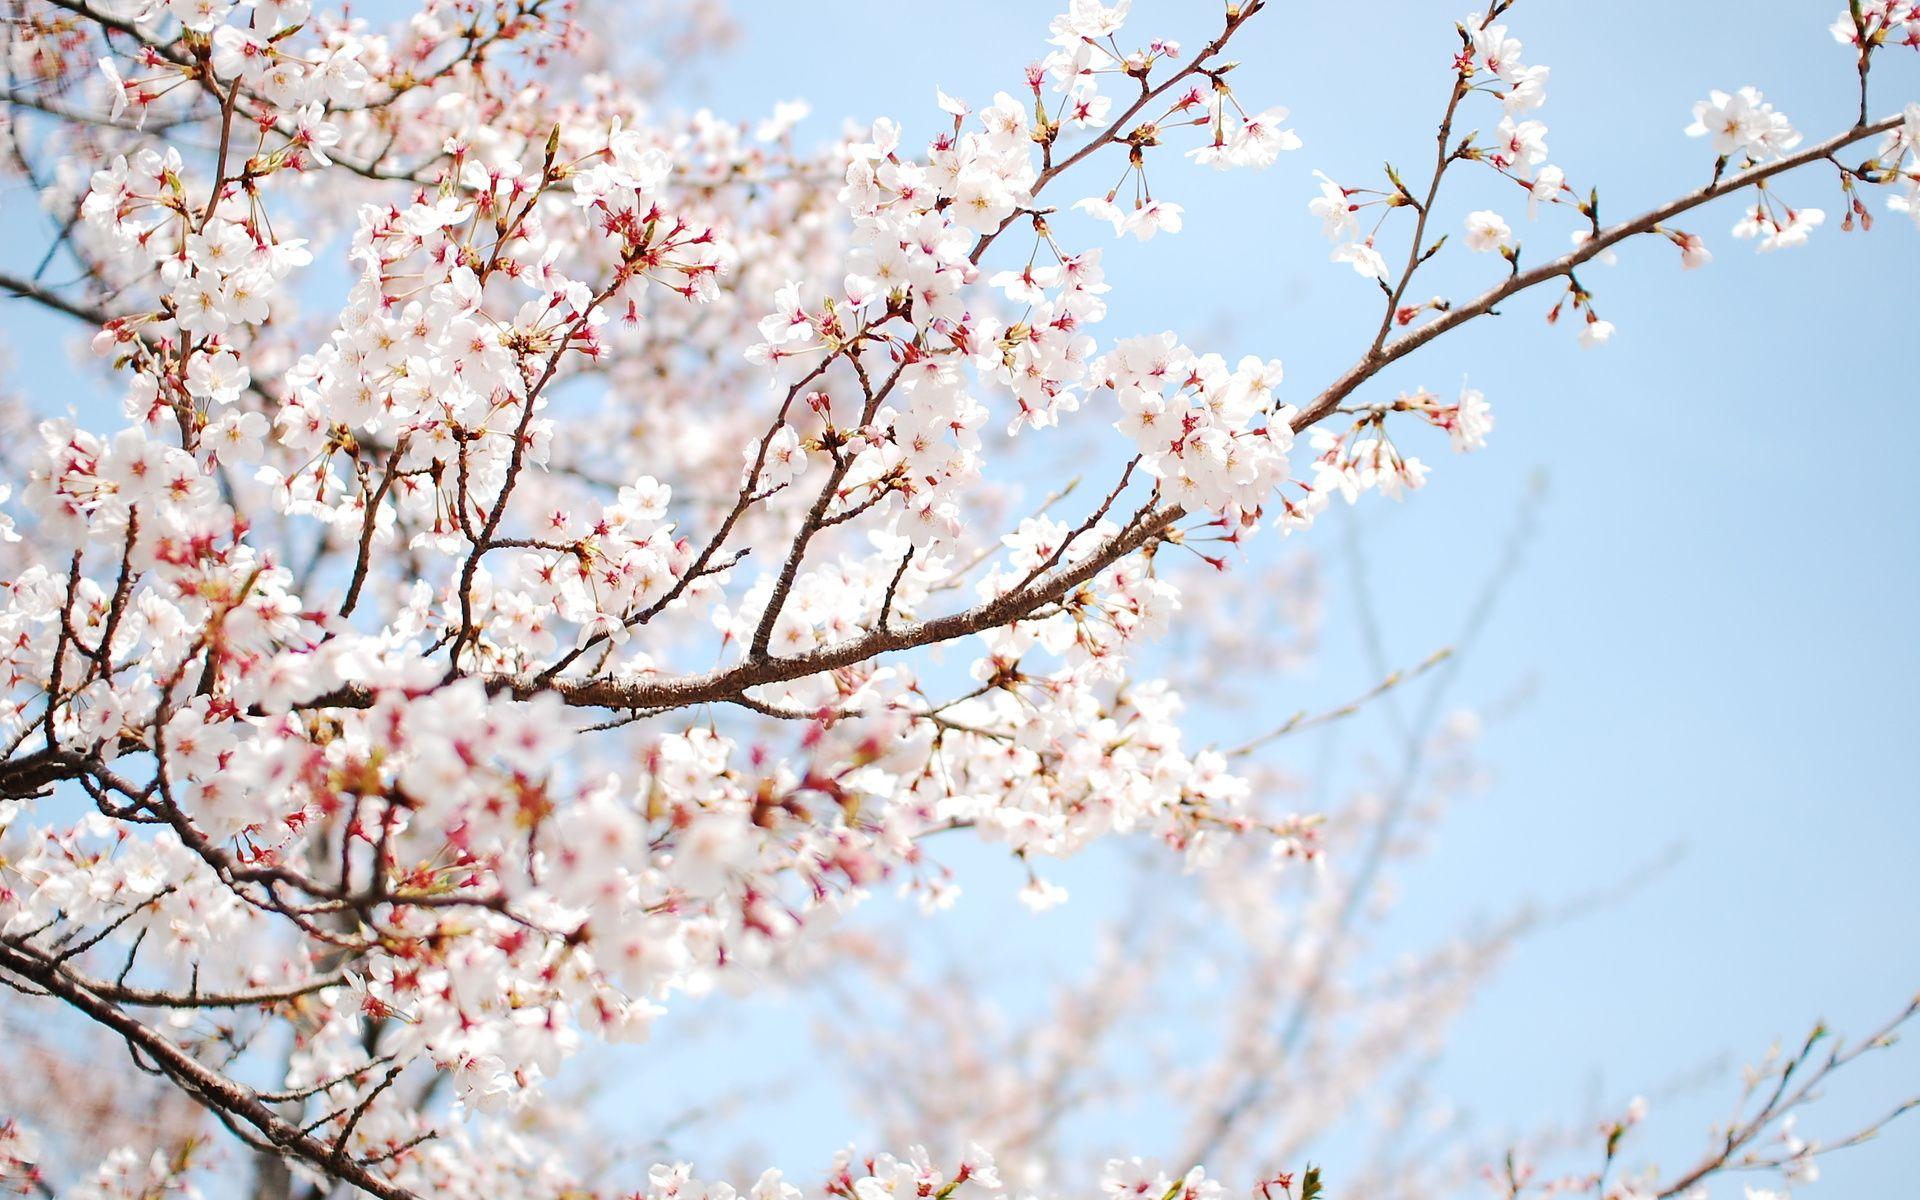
x,y
1715,621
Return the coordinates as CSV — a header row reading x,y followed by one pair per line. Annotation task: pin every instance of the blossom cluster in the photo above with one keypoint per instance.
x,y
554,556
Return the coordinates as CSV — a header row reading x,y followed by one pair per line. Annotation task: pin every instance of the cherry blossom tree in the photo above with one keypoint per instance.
x,y
556,554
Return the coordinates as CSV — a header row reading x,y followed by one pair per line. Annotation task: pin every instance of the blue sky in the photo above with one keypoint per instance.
x,y
1714,620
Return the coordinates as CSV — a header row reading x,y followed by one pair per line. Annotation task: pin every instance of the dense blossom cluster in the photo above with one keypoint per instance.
x,y
508,599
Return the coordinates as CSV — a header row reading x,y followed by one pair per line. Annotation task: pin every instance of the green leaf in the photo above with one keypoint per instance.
x,y
1310,1186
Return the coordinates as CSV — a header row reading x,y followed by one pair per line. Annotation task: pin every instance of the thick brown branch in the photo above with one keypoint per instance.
x,y
218,1094
729,682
